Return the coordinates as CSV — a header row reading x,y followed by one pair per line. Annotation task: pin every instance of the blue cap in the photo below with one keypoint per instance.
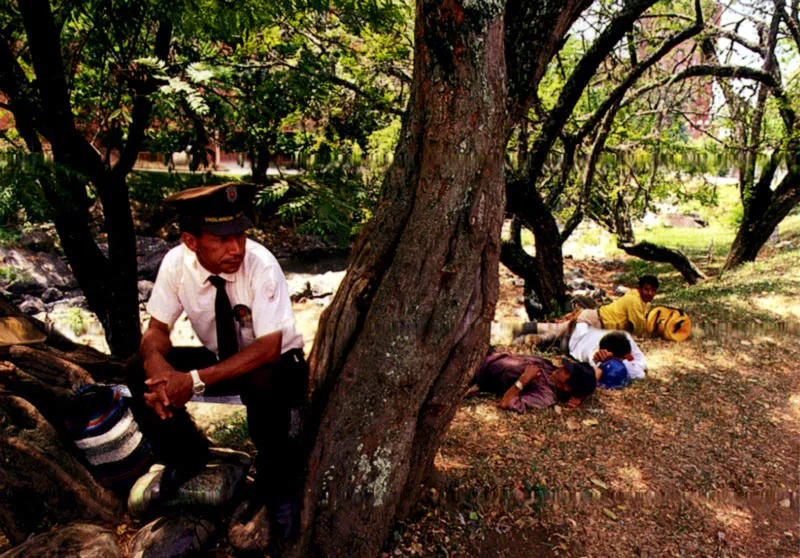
x,y
614,376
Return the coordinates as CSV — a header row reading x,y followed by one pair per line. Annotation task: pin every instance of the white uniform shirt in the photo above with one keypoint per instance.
x,y
585,342
257,291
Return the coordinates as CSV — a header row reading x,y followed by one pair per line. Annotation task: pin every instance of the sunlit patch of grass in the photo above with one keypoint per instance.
x,y
693,242
232,433
794,406
630,479
730,515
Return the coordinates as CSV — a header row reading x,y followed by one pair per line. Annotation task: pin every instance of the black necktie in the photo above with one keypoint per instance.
x,y
227,345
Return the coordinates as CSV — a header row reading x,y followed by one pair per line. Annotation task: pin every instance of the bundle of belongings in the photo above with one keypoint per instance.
x,y
103,427
670,323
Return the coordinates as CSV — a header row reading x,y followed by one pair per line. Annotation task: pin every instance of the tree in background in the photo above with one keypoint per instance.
x,y
314,83
765,138
70,80
559,145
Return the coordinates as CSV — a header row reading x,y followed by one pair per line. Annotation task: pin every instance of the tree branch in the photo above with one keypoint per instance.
x,y
143,106
579,80
57,123
618,93
732,72
735,38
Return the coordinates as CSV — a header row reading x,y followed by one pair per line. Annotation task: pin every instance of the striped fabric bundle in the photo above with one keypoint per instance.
x,y
103,428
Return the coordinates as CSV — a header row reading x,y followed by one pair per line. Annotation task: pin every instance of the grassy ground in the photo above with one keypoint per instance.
x,y
698,459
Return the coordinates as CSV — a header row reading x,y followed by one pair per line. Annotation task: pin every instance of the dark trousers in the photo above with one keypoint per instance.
x,y
275,398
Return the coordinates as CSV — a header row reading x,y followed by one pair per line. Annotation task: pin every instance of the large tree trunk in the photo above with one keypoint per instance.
x,y
109,282
761,219
411,319
547,282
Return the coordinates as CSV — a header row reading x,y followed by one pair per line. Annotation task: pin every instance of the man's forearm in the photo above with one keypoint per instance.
x,y
154,348
264,350
509,396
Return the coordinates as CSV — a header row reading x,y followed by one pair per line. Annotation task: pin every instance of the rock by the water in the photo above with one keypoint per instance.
x,y
77,539
43,269
686,221
32,305
40,240
145,290
172,537
78,301
303,285
149,253
579,283
51,294
248,530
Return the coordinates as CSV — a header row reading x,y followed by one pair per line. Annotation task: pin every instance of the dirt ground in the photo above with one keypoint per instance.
x,y
698,459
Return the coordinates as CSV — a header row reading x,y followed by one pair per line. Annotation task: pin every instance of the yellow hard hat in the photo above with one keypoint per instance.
x,y
671,323
657,318
678,327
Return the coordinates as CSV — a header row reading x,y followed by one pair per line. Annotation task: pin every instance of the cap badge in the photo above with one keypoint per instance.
x,y
231,194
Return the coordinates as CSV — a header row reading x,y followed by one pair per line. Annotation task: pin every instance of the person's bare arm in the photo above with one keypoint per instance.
x,y
153,349
573,402
531,373
264,350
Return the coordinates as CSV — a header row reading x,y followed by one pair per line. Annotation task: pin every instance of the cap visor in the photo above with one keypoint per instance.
x,y
238,225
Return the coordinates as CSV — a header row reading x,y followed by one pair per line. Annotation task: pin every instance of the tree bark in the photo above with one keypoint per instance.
x,y
42,482
411,319
758,223
654,253
100,366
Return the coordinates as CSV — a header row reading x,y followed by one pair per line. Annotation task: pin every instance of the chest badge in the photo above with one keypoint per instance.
x,y
243,315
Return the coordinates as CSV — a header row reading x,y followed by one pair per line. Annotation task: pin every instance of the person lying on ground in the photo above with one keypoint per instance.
x,y
532,382
627,313
596,346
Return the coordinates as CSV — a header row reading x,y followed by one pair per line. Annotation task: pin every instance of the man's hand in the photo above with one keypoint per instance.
x,y
158,373
171,390
530,374
155,400
573,402
602,355
155,345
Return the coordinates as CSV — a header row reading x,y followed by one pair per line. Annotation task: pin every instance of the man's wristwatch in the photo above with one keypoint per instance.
x,y
518,385
198,386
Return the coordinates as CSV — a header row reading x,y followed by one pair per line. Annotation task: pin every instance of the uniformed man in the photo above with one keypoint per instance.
x,y
234,293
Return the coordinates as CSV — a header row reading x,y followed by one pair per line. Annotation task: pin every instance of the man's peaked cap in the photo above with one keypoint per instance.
x,y
222,209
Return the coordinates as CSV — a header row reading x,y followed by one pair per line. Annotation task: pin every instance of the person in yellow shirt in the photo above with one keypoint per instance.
x,y
627,312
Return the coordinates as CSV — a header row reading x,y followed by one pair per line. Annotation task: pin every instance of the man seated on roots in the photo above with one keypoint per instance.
x,y
628,312
532,382
236,297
